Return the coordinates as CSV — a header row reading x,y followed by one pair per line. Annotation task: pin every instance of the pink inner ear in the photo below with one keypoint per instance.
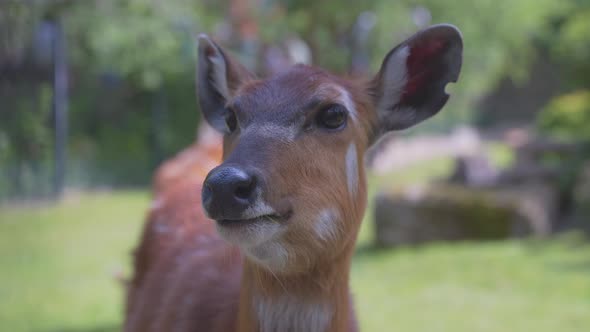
x,y
419,66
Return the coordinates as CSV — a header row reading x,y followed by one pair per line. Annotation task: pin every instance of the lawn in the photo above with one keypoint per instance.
x,y
59,262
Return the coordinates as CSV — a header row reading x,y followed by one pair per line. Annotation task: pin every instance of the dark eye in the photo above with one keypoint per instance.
x,y
230,121
332,117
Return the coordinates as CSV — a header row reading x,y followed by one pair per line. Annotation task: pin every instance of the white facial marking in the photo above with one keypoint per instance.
x,y
272,255
288,313
256,238
394,79
352,169
326,224
251,235
347,102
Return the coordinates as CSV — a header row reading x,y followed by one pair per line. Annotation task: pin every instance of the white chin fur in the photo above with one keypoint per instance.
x,y
251,235
260,243
271,255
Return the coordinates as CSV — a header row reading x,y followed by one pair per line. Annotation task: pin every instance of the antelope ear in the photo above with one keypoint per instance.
x,y
218,78
410,86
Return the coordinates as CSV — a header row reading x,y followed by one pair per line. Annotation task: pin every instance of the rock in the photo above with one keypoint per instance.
x,y
421,214
474,171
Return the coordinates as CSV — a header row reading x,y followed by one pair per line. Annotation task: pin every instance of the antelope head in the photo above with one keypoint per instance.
x,y
291,189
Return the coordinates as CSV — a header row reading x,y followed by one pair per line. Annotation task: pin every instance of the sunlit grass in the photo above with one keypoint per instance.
x,y
58,262
500,286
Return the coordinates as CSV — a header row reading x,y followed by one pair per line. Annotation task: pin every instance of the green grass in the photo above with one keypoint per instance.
x,y
58,262
503,286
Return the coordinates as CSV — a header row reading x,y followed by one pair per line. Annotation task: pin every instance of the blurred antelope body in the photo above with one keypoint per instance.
x,y
264,242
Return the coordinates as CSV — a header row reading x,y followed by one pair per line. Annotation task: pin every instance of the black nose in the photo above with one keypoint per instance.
x,y
227,192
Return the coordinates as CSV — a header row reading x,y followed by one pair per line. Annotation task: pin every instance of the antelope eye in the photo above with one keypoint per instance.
x,y
332,117
230,121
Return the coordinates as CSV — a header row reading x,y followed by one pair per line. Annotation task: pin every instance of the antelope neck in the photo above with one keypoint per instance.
x,y
315,301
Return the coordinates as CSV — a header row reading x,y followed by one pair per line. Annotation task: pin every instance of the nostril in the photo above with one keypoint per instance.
x,y
244,189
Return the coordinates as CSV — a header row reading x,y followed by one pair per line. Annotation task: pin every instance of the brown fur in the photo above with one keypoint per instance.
x,y
179,250
319,270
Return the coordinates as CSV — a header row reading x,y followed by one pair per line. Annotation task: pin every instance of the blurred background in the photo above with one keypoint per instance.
x,y
477,219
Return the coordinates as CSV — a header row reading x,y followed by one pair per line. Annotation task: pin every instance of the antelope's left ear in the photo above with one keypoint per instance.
x,y
410,86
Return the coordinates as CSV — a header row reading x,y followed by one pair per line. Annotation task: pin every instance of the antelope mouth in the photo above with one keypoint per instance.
x,y
245,222
252,232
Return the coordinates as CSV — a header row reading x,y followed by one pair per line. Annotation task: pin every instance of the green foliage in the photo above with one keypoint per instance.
x,y
498,41
132,99
25,140
567,116
499,36
569,42
145,42
135,104
325,25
